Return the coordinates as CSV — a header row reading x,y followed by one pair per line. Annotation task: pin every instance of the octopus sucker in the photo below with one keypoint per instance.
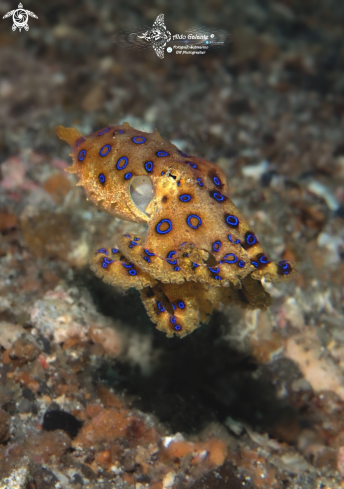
x,y
198,251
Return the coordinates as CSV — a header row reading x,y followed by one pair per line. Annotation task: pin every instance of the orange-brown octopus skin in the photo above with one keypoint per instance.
x,y
198,251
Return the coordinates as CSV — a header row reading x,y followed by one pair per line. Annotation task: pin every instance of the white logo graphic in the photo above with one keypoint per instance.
x,y
20,18
196,40
158,35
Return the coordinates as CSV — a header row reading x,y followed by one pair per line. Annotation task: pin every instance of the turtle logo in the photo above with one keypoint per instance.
x,y
20,18
158,35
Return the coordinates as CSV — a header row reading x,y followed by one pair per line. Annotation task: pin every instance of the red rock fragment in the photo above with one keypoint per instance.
x,y
8,220
58,186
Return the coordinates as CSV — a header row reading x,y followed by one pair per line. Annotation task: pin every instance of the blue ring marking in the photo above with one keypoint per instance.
x,y
120,131
250,239
127,235
188,220
136,239
255,263
101,178
118,164
134,243
241,264
217,277
162,222
217,181
237,241
148,253
178,183
214,270
104,132
162,153
139,137
190,163
217,196
216,245
181,153
169,258
149,166
106,262
102,250
79,141
199,181
232,220
130,265
173,319
162,173
181,305
174,307
234,259
82,155
147,259
195,265
285,267
114,250
160,307
264,259
185,198
132,272
177,327
105,150
177,269
127,176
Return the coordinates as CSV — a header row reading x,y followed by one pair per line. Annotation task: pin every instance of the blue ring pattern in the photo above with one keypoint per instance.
x,y
232,220
217,196
216,245
234,259
82,155
139,137
132,272
101,178
118,164
181,305
217,181
105,150
162,222
193,216
149,166
177,327
104,131
250,239
185,198
120,131
128,176
241,264
162,153
190,163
